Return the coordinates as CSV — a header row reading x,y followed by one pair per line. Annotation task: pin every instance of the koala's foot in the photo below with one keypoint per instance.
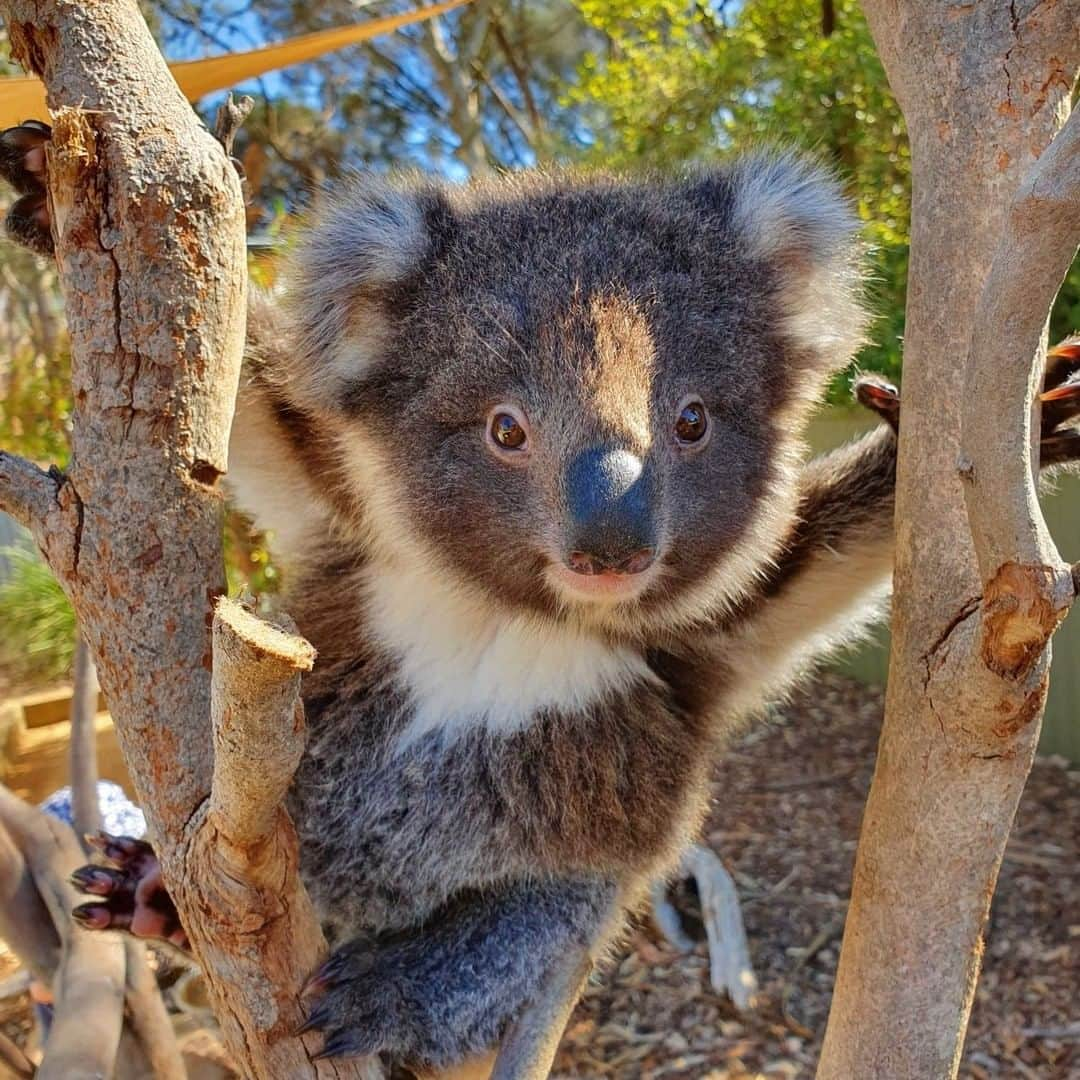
x,y
130,892
1061,403
433,995
1060,400
22,164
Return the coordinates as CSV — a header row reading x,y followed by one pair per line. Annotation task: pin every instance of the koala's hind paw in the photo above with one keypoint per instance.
x,y
22,164
360,1005
130,894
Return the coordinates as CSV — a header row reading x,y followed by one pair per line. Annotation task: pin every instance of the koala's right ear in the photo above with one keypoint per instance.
x,y
372,236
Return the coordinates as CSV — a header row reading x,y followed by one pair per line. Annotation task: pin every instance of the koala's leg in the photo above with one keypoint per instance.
x,y
22,164
130,894
436,994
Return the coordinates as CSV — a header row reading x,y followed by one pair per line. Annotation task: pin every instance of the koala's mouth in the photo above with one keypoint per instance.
x,y
602,585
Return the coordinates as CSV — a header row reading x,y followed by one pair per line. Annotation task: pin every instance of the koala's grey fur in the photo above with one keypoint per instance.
x,y
494,772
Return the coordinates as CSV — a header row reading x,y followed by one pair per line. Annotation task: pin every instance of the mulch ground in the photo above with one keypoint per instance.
x,y
789,797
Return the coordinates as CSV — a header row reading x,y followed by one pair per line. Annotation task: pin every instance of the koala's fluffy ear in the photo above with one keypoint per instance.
x,y
790,213
370,237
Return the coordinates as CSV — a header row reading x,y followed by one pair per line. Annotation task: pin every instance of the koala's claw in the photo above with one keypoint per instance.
x,y
880,396
22,164
130,894
1061,389
360,1006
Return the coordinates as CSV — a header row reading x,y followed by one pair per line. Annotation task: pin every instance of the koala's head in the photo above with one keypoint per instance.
x,y
578,396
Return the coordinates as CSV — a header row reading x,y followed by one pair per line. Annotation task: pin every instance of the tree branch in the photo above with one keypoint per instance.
x,y
1039,240
984,89
27,493
136,182
529,1047
25,922
82,745
258,724
256,928
22,1068
89,987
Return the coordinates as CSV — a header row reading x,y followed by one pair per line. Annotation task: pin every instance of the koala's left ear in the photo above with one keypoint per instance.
x,y
372,235
790,213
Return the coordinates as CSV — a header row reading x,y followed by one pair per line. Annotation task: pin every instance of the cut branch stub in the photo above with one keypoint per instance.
x,y
1019,615
257,929
255,689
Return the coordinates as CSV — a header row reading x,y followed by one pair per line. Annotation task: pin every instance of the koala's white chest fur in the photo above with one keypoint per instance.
x,y
467,666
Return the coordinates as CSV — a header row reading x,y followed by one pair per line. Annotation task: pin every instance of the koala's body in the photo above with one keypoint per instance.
x,y
530,454
530,450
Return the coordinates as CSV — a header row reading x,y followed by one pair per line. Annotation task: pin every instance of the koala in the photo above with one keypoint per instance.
x,y
531,453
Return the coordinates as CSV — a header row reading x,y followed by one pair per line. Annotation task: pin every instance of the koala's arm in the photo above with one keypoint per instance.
x,y
433,995
831,580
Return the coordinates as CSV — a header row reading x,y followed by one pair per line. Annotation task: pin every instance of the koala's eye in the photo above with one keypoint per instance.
x,y
692,424
506,429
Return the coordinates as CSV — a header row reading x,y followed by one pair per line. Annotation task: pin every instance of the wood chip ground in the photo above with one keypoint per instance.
x,y
788,798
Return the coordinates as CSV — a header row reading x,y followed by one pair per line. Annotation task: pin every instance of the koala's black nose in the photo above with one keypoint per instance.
x,y
610,495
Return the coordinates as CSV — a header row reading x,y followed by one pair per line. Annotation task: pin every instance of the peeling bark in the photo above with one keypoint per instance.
x,y
978,586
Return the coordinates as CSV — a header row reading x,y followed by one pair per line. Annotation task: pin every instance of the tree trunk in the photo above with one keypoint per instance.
x,y
148,222
984,89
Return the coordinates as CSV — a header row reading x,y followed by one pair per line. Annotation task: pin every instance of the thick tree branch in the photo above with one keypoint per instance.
x,y
148,224
984,88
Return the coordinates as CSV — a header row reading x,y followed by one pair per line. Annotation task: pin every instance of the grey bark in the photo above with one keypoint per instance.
x,y
88,987
978,587
82,750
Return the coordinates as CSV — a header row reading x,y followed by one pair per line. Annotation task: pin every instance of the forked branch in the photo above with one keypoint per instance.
x,y
1039,239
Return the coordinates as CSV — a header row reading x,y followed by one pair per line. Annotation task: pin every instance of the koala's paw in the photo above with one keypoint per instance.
x,y
359,1002
23,165
1061,404
129,893
1060,399
880,396
411,999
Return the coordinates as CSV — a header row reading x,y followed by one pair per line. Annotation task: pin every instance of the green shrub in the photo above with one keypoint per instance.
x,y
37,624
